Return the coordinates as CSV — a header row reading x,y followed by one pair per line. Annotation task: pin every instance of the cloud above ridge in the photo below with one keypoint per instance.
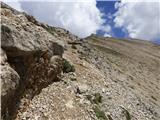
x,y
139,19
79,17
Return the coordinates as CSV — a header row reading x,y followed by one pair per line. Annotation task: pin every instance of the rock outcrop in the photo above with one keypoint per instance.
x,y
31,58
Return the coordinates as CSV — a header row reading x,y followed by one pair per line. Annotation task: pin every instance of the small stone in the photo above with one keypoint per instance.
x,y
69,104
103,90
73,78
82,88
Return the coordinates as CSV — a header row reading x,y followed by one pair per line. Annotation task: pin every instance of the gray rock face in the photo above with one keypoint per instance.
x,y
9,81
20,36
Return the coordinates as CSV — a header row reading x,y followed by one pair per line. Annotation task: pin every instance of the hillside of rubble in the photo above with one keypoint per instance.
x,y
47,73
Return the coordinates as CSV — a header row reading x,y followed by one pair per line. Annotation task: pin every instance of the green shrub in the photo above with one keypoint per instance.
x,y
99,114
67,67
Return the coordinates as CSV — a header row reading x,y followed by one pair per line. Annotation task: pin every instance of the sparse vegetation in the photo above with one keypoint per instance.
x,y
67,67
50,29
97,98
99,113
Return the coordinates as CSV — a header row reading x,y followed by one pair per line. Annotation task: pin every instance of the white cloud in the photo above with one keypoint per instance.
x,y
16,5
140,19
107,35
79,17
106,28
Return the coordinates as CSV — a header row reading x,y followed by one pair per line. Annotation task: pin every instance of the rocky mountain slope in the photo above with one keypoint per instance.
x,y
47,73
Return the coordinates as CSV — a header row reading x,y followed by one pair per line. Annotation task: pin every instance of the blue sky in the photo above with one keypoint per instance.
x,y
107,7
137,20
